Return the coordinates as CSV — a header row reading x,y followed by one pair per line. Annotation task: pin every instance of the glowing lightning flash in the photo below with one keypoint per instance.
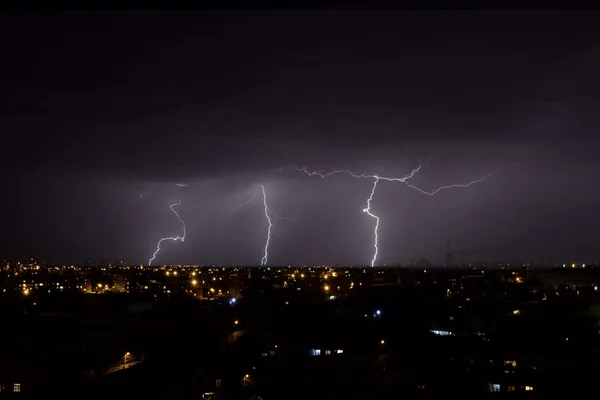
x,y
176,238
377,178
368,211
266,256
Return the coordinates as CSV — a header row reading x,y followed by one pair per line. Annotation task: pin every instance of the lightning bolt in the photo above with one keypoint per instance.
x,y
263,261
378,178
368,211
242,204
176,238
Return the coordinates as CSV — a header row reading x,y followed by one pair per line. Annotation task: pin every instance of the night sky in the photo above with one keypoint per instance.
x,y
102,114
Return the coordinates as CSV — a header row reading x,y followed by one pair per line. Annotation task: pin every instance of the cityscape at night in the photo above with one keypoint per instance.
x,y
134,330
304,203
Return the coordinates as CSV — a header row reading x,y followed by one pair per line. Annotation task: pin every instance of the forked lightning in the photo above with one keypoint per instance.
x,y
176,238
378,178
368,211
265,258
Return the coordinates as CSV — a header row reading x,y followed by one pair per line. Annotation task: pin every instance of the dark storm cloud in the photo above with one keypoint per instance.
x,y
114,106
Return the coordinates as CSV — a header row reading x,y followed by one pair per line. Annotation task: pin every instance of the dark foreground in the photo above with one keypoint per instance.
x,y
375,342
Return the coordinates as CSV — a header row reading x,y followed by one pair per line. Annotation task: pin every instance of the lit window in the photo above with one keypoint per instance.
x,y
528,387
17,388
495,387
511,388
340,351
327,352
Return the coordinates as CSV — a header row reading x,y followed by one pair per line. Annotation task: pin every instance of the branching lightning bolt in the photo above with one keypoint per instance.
x,y
378,178
368,211
283,218
176,238
242,204
266,256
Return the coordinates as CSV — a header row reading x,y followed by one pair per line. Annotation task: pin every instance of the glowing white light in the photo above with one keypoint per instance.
x,y
442,333
265,258
176,238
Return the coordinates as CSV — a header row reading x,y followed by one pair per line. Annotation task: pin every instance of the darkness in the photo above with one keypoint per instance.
x,y
103,113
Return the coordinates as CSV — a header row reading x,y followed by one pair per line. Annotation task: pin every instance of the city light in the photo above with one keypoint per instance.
x,y
194,282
